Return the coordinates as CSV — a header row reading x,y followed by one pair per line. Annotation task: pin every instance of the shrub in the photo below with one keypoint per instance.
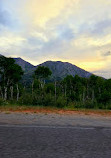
x,y
25,99
1,102
61,102
48,100
88,104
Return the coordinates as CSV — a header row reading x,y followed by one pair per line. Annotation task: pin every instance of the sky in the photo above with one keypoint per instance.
x,y
75,31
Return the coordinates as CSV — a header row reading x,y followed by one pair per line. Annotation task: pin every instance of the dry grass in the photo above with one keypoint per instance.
x,y
46,110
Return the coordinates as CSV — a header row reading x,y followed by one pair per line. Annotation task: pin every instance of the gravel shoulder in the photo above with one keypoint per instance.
x,y
51,119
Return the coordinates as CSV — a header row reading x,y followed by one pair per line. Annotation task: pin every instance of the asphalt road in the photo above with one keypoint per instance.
x,y
54,141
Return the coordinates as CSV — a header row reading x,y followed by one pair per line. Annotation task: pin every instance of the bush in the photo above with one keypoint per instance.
x,y
88,104
48,100
25,99
105,97
1,102
61,102
108,106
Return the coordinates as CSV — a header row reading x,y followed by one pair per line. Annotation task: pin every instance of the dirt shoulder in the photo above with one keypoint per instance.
x,y
55,117
52,119
50,110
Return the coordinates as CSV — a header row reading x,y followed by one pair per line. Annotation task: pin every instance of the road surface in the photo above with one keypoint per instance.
x,y
54,136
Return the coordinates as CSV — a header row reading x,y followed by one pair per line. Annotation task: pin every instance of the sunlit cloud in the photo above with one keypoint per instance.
x,y
76,31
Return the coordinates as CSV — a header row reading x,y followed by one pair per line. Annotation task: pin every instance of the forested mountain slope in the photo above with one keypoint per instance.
x,y
59,69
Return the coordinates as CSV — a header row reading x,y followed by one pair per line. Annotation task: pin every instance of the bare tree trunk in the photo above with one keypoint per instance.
x,y
92,96
87,96
83,97
32,87
65,91
5,90
55,91
5,93
17,92
1,92
41,83
11,90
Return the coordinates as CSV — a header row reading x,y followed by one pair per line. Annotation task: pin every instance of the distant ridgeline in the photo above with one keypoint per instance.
x,y
59,70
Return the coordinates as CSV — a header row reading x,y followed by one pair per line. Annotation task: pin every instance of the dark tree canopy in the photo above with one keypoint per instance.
x,y
9,71
42,72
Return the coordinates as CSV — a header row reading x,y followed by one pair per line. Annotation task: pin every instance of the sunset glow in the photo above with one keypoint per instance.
x,y
75,31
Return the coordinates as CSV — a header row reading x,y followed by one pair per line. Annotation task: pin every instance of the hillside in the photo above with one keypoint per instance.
x,y
62,69
59,70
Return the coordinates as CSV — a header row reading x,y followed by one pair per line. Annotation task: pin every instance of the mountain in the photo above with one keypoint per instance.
x,y
26,66
59,70
62,69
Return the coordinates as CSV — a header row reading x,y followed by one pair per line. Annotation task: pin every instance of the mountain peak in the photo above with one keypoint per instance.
x,y
26,66
62,69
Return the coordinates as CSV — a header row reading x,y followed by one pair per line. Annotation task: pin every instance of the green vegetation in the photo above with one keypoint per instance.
x,y
72,92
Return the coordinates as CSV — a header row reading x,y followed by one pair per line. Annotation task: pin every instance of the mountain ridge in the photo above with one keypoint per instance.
x,y
65,68
59,69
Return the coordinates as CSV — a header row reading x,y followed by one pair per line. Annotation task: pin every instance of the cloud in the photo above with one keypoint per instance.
x,y
107,53
100,28
76,31
42,11
5,18
103,73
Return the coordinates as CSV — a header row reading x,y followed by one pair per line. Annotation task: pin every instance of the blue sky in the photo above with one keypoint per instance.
x,y
75,31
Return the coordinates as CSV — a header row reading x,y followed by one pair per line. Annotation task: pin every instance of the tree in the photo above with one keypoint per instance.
x,y
42,73
10,74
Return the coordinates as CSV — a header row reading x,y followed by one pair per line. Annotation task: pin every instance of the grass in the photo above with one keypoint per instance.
x,y
47,109
7,112
15,107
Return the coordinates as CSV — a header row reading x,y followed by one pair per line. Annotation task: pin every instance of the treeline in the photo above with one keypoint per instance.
x,y
74,92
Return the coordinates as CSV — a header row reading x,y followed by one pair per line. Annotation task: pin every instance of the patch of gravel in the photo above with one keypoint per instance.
x,y
54,119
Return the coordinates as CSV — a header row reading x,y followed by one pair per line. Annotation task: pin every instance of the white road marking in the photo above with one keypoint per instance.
x,y
46,126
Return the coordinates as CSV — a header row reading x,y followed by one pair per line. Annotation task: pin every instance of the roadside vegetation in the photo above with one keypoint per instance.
x,y
70,93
